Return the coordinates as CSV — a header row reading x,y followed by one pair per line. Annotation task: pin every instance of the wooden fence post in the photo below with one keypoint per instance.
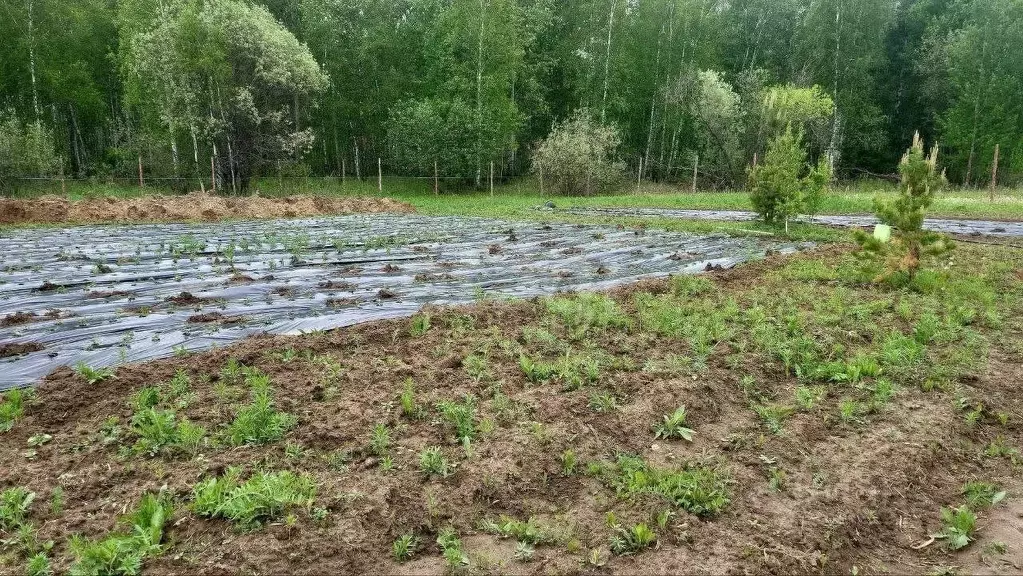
x,y
994,174
696,165
380,176
142,183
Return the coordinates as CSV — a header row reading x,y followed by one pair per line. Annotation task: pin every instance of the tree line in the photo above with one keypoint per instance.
x,y
240,88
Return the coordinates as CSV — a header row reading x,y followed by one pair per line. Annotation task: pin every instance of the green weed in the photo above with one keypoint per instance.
x,y
259,422
586,311
981,495
14,507
603,402
404,548
123,553
409,406
420,325
674,426
696,489
12,408
380,439
432,461
264,496
958,526
627,541
461,416
93,375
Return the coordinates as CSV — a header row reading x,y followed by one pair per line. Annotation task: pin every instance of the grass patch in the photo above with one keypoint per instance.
x,y
699,490
123,553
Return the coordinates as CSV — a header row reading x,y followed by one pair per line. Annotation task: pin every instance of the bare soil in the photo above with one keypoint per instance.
x,y
191,207
855,497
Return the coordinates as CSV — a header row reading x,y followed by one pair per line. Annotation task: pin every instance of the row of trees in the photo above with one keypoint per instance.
x,y
331,85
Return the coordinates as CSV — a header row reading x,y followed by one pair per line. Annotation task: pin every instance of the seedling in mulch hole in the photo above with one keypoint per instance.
x,y
603,402
93,375
12,408
981,495
404,548
627,541
673,426
432,461
420,325
380,439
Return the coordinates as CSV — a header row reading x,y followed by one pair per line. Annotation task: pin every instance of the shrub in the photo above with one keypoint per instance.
x,y
785,185
25,150
902,252
580,157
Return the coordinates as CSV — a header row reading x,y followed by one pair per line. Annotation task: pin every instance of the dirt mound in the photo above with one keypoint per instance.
x,y
191,207
9,350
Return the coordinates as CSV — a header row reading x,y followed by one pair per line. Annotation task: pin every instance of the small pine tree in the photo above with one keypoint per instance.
x,y
785,184
909,242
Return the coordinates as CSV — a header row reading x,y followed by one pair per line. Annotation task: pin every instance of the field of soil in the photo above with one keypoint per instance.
x,y
191,207
827,423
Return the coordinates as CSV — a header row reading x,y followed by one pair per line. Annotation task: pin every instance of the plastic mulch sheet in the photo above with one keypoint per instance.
x,y
106,295
947,226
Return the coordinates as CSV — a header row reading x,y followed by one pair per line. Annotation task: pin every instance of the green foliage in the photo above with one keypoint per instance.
x,y
12,408
26,150
123,553
259,422
531,531
264,496
461,416
38,565
420,325
14,507
784,185
451,548
674,426
628,541
580,156
586,311
409,406
432,461
909,243
980,495
93,375
380,439
696,489
404,548
958,526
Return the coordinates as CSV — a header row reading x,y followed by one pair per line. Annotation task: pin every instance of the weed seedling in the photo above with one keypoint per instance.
x,y
12,408
462,416
673,426
14,505
259,422
524,551
404,548
627,541
38,565
93,375
958,525
420,325
380,440
603,402
123,553
568,462
980,495
451,548
432,461
264,496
